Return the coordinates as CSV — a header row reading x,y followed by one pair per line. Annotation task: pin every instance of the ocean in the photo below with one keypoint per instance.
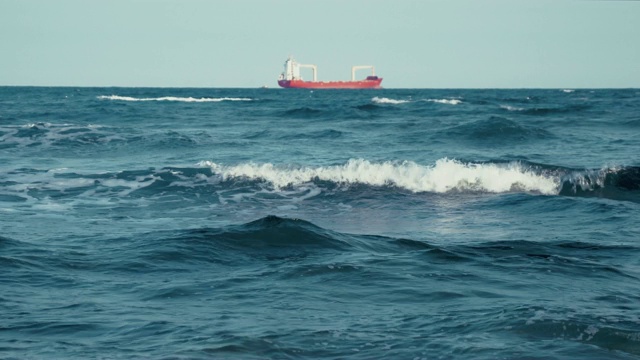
x,y
177,223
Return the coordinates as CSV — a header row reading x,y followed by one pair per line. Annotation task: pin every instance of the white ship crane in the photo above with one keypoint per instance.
x,y
359,67
290,78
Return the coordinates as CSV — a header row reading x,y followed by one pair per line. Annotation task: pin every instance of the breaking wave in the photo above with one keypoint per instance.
x,y
384,100
229,182
542,111
446,175
171,98
512,108
445,101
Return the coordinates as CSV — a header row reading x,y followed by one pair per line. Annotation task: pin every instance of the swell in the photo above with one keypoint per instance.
x,y
304,113
267,239
293,267
497,130
329,112
317,135
616,183
572,258
296,241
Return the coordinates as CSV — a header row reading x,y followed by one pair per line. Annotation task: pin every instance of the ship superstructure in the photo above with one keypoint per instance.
x,y
290,78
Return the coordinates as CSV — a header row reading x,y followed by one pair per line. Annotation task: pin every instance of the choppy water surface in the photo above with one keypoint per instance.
x,y
264,223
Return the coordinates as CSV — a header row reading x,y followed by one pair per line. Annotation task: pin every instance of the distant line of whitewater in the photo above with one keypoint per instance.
x,y
384,100
171,98
378,100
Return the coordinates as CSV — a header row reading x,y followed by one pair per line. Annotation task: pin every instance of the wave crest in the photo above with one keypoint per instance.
x,y
619,183
384,100
171,98
445,101
446,175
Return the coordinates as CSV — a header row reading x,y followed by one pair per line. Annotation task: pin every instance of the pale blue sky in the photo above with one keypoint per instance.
x,y
243,43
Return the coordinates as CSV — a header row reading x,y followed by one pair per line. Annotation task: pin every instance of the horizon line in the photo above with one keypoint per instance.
x,y
279,88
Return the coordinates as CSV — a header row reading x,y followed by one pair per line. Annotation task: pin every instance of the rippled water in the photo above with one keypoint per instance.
x,y
258,223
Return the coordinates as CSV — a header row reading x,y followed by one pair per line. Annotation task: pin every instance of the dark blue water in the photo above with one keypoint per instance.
x,y
264,223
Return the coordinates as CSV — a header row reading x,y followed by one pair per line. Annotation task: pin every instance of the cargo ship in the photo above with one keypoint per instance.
x,y
290,78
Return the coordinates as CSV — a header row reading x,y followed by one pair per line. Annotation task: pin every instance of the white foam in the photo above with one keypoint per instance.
x,y
511,108
52,133
41,124
445,176
171,98
50,181
537,316
568,90
384,100
445,101
49,205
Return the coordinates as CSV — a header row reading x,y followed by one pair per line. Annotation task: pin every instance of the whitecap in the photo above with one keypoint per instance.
x,y
511,108
446,175
384,100
445,101
171,98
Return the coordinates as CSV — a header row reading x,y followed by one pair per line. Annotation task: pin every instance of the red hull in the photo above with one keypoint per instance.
x,y
301,84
